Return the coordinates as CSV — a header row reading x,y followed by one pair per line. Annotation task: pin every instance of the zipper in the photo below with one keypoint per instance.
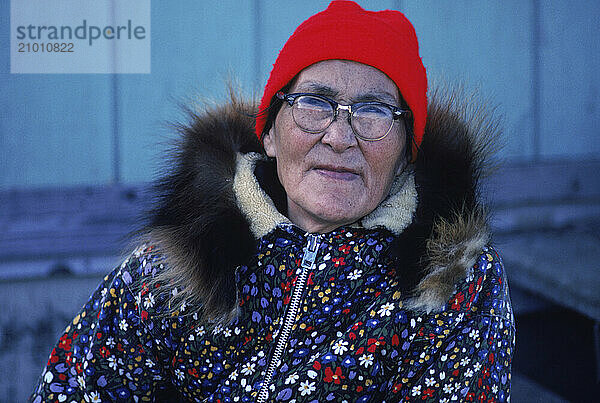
x,y
307,265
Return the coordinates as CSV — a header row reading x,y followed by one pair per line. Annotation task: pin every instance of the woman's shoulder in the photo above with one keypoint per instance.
x,y
145,262
494,292
484,292
138,282
481,295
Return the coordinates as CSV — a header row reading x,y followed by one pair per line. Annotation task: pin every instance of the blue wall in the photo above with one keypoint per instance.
x,y
538,61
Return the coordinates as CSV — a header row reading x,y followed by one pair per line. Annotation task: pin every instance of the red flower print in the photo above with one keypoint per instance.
x,y
310,278
339,261
53,357
104,352
345,249
457,301
64,342
374,343
335,377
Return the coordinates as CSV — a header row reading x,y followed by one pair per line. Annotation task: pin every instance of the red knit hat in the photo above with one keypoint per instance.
x,y
385,40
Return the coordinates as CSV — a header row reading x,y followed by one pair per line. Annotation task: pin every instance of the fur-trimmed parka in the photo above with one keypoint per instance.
x,y
227,300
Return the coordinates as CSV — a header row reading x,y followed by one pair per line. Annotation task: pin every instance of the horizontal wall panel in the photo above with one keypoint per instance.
x,y
77,221
545,181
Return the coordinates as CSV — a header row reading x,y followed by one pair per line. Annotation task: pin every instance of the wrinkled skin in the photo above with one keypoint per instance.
x,y
333,178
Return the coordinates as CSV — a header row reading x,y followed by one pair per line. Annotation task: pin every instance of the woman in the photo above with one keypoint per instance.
x,y
344,257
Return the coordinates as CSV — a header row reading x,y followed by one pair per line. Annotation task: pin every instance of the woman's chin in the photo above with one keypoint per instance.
x,y
329,201
334,210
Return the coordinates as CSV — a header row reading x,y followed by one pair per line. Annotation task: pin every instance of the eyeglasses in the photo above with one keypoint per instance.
x,y
370,121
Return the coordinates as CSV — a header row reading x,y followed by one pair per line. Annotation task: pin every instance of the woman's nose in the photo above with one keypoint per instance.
x,y
339,135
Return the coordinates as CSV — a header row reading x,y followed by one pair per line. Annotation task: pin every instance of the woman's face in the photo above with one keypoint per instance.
x,y
333,178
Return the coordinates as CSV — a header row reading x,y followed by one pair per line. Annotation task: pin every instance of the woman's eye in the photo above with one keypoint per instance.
x,y
375,110
313,102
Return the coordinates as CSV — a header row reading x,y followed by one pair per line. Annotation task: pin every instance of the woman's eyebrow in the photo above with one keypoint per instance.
x,y
317,88
323,89
379,96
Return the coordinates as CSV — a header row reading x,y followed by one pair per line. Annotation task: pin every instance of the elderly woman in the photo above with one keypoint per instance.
x,y
340,256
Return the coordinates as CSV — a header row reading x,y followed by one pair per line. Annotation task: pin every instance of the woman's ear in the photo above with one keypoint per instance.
x,y
405,160
402,166
269,142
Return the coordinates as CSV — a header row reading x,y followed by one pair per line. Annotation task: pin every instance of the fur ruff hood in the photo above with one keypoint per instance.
x,y
211,207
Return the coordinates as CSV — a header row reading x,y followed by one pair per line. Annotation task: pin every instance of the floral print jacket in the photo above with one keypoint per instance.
x,y
409,304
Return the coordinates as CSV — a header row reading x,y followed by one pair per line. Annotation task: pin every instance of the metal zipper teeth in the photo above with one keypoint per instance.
x,y
308,262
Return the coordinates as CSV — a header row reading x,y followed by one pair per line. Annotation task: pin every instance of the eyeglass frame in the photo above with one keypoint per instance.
x,y
397,112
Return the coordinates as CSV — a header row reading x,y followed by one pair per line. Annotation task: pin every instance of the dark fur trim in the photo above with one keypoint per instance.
x,y
196,222
455,153
204,235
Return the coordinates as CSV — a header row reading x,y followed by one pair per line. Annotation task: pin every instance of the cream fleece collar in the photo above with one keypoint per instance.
x,y
395,212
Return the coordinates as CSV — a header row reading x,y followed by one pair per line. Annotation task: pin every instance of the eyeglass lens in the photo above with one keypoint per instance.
x,y
314,115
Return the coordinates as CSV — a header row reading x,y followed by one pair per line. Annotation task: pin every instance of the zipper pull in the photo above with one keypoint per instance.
x,y
310,251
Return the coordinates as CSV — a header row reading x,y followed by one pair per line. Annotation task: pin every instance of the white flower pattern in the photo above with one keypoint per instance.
x,y
116,340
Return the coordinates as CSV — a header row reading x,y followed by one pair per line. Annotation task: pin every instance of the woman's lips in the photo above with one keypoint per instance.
x,y
339,173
